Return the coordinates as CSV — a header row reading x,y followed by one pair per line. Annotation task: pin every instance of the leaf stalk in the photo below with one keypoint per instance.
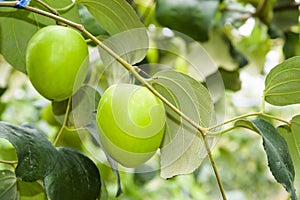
x,y
8,162
64,125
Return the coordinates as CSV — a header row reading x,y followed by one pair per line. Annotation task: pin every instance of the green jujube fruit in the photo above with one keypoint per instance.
x,y
131,123
57,61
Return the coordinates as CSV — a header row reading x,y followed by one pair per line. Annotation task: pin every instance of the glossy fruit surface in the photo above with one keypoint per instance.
x,y
48,115
57,62
131,123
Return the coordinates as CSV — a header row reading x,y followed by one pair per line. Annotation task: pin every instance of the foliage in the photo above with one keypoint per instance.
x,y
191,54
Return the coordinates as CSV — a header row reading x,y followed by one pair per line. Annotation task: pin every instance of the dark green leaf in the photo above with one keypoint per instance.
x,y
8,185
181,145
292,44
89,23
2,90
67,174
13,22
276,148
231,79
296,133
282,84
115,16
230,58
265,11
294,145
74,177
291,136
285,14
191,17
36,155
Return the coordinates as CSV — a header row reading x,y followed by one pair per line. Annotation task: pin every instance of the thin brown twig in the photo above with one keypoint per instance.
x,y
52,10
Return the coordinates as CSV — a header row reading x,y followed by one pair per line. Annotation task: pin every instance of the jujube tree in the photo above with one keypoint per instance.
x,y
90,60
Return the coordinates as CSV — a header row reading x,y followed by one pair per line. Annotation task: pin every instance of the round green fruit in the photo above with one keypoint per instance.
x,y
57,62
48,115
131,123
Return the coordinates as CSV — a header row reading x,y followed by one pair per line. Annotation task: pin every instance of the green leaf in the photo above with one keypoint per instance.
x,y
59,110
238,57
231,79
74,177
67,174
279,158
115,16
191,17
230,58
286,133
265,11
89,23
283,18
282,84
292,137
8,185
31,146
2,90
296,133
31,191
181,148
84,105
292,44
295,149
129,36
14,39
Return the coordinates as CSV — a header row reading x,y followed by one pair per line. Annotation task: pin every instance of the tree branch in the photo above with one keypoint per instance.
x,y
132,70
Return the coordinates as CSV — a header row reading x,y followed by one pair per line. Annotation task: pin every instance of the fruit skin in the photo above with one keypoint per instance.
x,y
48,115
131,123
57,62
